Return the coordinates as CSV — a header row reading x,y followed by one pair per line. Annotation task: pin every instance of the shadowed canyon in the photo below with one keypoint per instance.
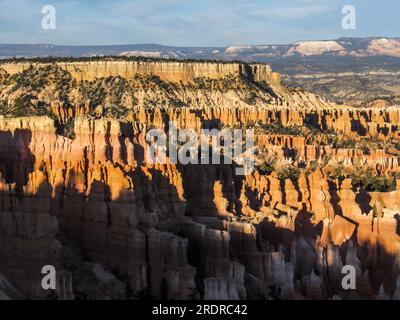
x,y
77,193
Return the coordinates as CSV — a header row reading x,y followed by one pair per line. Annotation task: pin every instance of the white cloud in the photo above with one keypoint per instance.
x,y
290,13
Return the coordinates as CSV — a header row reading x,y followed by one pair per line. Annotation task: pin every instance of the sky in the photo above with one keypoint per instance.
x,y
194,22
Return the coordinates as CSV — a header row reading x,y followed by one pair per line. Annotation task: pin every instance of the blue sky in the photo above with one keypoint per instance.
x,y
194,22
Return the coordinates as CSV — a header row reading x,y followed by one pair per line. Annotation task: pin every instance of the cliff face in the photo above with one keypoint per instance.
x,y
115,226
165,70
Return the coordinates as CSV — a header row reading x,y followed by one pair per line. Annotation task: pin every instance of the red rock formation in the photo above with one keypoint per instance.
x,y
177,231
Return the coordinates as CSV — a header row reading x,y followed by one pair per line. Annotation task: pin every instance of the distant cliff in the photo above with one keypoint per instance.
x,y
338,69
166,70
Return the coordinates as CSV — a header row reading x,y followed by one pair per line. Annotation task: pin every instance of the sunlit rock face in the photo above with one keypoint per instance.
x,y
168,71
117,227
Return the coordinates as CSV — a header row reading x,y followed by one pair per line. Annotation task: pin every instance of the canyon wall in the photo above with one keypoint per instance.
x,y
95,200
76,191
165,70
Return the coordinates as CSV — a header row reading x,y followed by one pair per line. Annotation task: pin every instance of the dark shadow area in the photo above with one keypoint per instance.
x,y
397,217
16,159
335,199
363,199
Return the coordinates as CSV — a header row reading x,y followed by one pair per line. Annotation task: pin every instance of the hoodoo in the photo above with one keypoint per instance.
x,y
76,191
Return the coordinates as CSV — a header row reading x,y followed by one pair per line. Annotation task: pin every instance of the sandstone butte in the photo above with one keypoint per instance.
x,y
116,227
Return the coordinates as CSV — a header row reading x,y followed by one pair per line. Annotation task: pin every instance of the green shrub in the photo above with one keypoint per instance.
x,y
338,173
369,181
289,172
251,98
277,128
20,108
266,168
